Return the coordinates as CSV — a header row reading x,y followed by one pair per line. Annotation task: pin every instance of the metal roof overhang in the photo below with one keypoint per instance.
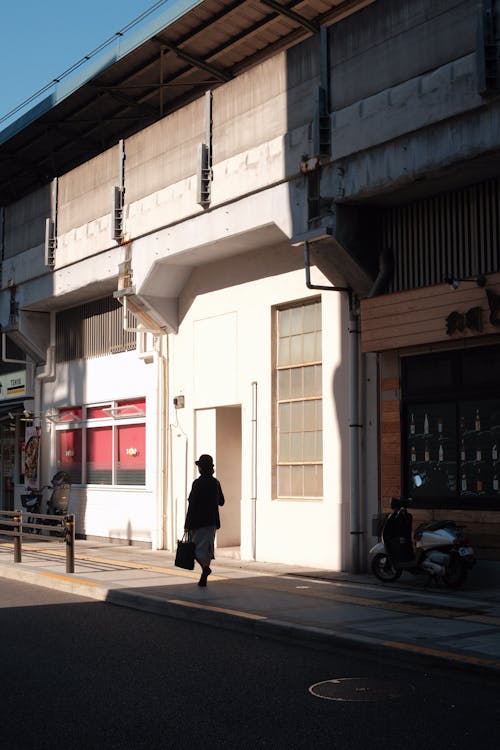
x,y
193,46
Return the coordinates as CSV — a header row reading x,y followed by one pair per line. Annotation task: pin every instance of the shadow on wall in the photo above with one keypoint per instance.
x,y
116,536
340,393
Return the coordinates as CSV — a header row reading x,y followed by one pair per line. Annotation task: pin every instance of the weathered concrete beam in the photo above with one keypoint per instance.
x,y
342,248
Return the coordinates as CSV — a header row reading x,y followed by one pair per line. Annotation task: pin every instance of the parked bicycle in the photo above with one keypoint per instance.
x,y
57,504
32,501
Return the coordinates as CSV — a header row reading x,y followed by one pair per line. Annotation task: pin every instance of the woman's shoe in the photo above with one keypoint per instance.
x,y
203,578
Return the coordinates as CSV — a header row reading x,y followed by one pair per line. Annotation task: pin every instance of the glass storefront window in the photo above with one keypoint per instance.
x,y
69,453
130,454
70,414
107,446
451,429
479,436
431,445
99,455
97,412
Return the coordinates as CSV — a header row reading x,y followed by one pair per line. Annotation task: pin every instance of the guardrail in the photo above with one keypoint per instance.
x,y
62,526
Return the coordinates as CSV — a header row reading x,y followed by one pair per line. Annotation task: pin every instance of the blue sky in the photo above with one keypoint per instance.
x,y
40,40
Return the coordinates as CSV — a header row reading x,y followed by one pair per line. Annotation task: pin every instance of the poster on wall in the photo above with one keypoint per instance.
x,y
31,457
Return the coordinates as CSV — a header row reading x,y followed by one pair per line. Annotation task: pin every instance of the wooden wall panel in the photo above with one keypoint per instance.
x,y
416,317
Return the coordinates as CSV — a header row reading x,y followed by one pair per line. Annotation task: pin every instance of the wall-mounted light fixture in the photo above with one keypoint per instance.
x,y
131,451
455,282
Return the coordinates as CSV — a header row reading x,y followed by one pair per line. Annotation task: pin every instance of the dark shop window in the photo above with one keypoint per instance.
x,y
451,428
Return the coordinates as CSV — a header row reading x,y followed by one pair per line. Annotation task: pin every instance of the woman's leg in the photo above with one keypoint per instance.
x,y
205,572
204,541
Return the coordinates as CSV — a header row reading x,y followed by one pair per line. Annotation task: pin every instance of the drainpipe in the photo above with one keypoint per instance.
x,y
48,374
162,541
385,272
354,421
355,441
254,471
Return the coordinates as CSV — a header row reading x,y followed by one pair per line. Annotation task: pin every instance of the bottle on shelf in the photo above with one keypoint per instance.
x,y
413,454
477,422
441,453
495,482
463,483
412,424
479,481
426,425
440,425
479,453
426,453
494,452
462,450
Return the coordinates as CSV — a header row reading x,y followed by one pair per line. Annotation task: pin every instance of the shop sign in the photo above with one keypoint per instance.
x,y
472,319
30,456
13,385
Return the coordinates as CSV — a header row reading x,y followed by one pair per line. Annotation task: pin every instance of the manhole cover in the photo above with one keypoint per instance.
x,y
360,689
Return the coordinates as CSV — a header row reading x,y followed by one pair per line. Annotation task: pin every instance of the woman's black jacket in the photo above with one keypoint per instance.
x,y
204,500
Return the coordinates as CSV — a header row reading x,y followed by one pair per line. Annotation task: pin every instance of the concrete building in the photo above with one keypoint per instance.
x,y
196,232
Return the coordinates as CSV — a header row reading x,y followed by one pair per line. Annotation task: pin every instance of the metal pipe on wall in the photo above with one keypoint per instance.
x,y
354,411
354,442
254,470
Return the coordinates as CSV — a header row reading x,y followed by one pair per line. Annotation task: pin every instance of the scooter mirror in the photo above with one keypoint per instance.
x,y
417,480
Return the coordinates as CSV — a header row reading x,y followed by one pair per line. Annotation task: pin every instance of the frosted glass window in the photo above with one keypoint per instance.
x,y
299,402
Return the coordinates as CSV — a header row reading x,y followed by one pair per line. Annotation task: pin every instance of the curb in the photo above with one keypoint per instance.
x,y
263,627
255,625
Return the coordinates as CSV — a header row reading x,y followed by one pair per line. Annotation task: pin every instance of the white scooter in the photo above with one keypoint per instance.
x,y
438,548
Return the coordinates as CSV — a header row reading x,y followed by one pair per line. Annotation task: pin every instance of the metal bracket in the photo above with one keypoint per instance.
x,y
486,50
205,157
50,244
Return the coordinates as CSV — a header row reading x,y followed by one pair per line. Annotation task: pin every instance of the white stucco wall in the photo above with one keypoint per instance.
x,y
111,512
224,345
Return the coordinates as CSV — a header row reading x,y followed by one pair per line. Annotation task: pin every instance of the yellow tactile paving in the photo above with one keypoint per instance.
x,y
334,596
80,581
121,563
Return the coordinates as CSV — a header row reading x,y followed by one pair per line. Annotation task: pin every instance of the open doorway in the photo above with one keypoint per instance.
x,y
218,432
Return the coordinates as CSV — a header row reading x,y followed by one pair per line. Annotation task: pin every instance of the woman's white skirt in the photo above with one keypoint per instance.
x,y
204,539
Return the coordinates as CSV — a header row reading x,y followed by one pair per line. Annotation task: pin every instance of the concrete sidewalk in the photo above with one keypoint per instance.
x,y
270,600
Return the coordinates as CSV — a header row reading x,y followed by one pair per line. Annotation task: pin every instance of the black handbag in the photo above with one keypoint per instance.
x,y
184,557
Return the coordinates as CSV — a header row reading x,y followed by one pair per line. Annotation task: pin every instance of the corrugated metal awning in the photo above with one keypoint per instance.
x,y
193,46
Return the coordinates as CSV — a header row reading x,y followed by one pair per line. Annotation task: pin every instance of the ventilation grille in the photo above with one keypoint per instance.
x,y
452,234
93,329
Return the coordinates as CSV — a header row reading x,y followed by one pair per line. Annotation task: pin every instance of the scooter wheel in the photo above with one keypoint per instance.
x,y
456,573
383,568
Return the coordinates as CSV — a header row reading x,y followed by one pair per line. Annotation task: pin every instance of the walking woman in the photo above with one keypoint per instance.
x,y
202,518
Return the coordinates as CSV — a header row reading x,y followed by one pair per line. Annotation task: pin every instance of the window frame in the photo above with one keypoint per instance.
x,y
81,419
279,367
460,397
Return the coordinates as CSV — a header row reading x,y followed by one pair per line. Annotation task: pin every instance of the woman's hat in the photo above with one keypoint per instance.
x,y
205,460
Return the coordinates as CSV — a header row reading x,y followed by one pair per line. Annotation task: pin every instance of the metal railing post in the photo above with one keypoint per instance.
x,y
69,537
18,535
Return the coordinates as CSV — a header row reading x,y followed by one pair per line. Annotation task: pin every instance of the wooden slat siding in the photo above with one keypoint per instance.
x,y
416,317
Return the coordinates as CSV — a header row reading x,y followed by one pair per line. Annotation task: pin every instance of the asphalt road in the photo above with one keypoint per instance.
x,y
82,674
